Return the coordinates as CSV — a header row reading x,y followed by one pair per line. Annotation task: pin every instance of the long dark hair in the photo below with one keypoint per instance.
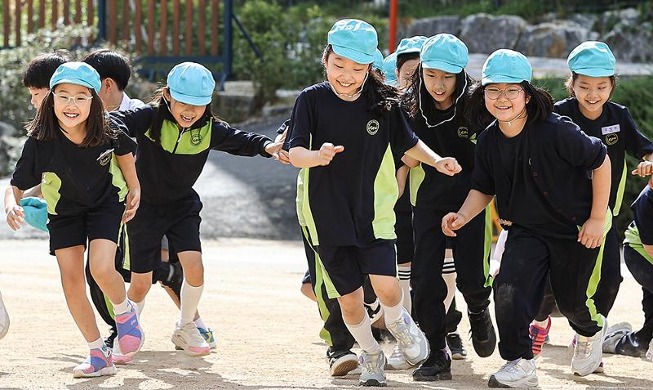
x,y
162,113
45,126
380,96
539,107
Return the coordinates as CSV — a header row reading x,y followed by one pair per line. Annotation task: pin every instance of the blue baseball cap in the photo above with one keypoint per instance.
x,y
389,68
36,212
506,66
593,59
444,52
378,60
78,73
354,39
191,83
411,45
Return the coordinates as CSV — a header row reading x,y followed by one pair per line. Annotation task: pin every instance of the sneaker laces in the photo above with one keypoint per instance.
x,y
401,333
370,363
583,348
191,330
511,366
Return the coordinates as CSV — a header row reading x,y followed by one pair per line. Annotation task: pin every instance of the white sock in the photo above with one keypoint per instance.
x,y
190,299
404,283
362,333
392,314
139,307
97,344
450,280
120,308
200,324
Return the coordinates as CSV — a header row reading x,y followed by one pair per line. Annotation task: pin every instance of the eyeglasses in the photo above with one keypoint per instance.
x,y
77,100
495,93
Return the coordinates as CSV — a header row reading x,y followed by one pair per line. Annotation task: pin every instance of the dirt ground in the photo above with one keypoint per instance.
x,y
267,332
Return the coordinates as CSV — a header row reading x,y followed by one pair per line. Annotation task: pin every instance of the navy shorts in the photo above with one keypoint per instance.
x,y
347,266
178,221
101,222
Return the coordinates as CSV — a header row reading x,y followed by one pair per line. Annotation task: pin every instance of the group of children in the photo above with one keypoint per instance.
x,y
555,171
393,194
79,157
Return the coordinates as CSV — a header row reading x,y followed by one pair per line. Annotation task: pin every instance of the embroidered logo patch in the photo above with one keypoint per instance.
x,y
611,139
463,132
372,127
105,157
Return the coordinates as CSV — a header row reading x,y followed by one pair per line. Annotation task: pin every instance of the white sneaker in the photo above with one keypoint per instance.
x,y
613,334
410,338
4,319
189,339
372,373
515,373
649,353
588,353
397,361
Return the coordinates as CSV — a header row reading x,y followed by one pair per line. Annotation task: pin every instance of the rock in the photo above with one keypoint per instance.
x,y
554,40
631,46
431,26
484,33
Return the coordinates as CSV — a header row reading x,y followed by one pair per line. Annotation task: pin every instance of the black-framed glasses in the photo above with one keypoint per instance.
x,y
510,93
78,100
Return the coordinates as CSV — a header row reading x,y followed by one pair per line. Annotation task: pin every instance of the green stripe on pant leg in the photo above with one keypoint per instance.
x,y
595,278
487,246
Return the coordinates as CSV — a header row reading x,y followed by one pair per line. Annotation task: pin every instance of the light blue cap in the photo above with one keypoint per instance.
x,y
378,60
354,39
506,66
78,73
389,68
36,212
444,52
411,45
191,83
593,59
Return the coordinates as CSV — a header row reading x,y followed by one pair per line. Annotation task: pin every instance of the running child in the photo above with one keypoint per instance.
x,y
87,173
435,102
341,135
591,85
174,139
552,184
38,72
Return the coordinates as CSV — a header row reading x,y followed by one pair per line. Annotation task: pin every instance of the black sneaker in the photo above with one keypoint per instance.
x,y
436,367
483,337
108,341
630,345
341,362
455,344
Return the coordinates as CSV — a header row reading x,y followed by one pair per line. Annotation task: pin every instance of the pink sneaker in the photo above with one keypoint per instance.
x,y
98,363
117,356
130,336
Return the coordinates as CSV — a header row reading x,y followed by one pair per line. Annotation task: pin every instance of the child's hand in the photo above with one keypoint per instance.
x,y
644,168
448,165
591,234
452,222
15,217
132,203
327,152
282,155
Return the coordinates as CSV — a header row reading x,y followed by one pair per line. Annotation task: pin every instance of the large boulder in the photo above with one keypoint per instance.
x,y
554,40
431,26
631,44
485,33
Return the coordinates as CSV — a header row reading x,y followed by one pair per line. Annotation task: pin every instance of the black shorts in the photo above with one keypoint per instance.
x,y
347,266
101,222
178,221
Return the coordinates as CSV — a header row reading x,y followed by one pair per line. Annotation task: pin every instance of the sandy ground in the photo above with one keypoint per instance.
x,y
266,331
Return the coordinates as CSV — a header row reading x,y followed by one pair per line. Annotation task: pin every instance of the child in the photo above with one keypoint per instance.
x,y
435,103
174,139
638,255
114,72
71,149
552,187
591,84
38,73
341,135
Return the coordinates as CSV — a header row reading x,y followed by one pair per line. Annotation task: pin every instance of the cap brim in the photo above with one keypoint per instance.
x,y
192,100
354,55
81,82
594,72
443,66
501,79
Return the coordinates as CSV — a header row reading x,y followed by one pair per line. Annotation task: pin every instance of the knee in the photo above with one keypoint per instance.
x,y
139,286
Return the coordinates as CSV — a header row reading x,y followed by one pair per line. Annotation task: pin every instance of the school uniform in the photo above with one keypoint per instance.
x,y
639,262
542,182
348,204
433,195
616,128
167,172
83,187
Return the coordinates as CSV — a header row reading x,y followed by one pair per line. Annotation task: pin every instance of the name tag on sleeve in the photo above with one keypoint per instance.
x,y
610,129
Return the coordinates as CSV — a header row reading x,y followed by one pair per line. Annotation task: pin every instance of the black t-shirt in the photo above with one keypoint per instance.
x,y
351,200
616,128
73,178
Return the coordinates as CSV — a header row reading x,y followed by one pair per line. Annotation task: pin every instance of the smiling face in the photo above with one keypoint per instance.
x,y
185,114
72,106
507,103
345,76
592,93
441,86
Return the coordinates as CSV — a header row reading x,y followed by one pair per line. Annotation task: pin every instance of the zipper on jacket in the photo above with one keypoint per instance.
x,y
179,139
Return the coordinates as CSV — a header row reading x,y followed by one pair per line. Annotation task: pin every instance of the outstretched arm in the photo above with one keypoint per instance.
x,y
301,157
